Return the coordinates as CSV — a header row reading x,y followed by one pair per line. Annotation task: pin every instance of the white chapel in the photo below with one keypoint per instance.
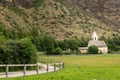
x,y
100,44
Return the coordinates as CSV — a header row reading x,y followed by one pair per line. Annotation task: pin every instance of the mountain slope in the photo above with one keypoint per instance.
x,y
106,11
51,17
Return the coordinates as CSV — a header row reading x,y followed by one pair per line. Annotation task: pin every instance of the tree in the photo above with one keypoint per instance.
x,y
63,45
8,54
38,41
93,50
27,51
73,44
83,42
48,44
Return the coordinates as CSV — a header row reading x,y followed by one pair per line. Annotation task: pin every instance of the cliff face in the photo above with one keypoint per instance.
x,y
107,11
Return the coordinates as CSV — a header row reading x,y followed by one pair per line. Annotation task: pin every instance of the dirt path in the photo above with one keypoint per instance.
x,y
32,72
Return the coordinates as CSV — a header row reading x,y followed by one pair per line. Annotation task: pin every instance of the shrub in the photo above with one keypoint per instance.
x,y
27,51
93,50
21,52
58,51
8,54
38,3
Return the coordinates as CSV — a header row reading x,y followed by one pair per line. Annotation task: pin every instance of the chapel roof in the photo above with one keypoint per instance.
x,y
97,43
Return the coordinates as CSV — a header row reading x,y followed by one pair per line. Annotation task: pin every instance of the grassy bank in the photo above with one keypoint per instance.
x,y
92,67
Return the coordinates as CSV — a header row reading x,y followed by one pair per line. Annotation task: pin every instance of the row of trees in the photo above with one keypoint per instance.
x,y
112,43
49,44
52,46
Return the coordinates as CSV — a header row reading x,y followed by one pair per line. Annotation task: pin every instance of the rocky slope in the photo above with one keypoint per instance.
x,y
54,18
107,11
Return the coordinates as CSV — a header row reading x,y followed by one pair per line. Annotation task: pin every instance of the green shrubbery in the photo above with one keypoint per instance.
x,y
93,50
58,51
38,3
52,46
49,44
112,43
17,52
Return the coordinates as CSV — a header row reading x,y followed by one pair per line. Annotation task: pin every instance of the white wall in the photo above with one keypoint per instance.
x,y
103,49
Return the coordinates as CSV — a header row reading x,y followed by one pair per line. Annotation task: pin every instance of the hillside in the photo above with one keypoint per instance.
x,y
50,17
106,11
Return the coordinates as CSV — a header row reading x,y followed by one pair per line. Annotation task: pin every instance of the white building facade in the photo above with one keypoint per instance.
x,y
95,42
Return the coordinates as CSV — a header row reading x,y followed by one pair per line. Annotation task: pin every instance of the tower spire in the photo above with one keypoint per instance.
x,y
94,36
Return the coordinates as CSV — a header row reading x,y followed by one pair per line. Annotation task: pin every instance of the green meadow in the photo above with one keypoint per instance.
x,y
86,67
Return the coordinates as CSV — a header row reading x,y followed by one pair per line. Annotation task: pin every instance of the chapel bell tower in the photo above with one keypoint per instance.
x,y
94,36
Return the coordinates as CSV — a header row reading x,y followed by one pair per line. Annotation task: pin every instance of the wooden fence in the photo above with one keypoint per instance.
x,y
56,66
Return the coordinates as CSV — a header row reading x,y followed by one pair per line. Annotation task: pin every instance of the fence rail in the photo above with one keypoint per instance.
x,y
47,67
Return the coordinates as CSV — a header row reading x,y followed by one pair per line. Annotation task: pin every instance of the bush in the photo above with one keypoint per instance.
x,y
21,52
38,3
58,51
27,51
8,54
93,50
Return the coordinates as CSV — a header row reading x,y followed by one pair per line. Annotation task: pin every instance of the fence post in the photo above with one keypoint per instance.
x,y
47,68
63,65
7,70
37,66
54,67
24,71
60,65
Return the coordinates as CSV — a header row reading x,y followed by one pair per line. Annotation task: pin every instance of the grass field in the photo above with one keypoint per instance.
x,y
92,67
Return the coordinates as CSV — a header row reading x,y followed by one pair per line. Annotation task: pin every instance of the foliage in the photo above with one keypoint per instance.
x,y
2,28
37,41
38,3
2,39
58,51
93,50
112,43
44,43
73,44
48,44
8,54
27,51
68,44
83,42
17,52
17,10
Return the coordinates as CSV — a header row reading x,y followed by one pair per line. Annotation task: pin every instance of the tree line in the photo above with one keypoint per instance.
x,y
18,46
112,43
52,46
